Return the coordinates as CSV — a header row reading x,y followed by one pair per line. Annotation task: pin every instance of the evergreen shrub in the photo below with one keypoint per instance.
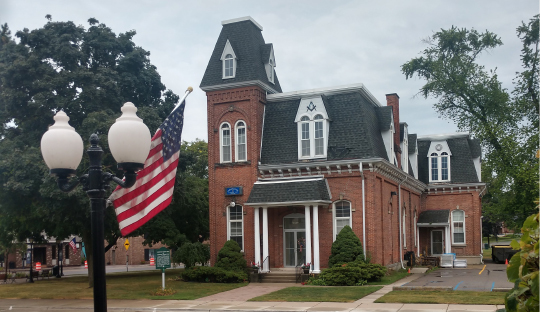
x,y
213,275
230,258
349,274
346,248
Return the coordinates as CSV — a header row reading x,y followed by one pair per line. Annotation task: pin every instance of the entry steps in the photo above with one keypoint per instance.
x,y
279,275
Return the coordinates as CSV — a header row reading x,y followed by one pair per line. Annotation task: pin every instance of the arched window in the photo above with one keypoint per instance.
x,y
225,142
235,228
439,163
341,215
458,227
306,152
240,139
444,166
229,65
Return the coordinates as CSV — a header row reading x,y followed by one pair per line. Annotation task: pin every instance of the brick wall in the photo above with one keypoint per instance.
x,y
118,255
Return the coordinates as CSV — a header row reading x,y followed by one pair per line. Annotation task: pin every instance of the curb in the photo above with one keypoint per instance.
x,y
430,288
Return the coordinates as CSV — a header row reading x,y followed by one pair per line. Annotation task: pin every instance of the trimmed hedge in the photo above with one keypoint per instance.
x,y
349,274
346,248
213,275
192,253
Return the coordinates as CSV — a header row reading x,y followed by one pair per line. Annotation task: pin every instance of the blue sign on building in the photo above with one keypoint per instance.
x,y
233,191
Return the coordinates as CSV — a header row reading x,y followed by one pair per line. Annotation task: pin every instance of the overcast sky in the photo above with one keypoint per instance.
x,y
316,43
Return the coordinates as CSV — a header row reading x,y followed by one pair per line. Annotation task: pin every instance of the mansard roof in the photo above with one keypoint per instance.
x,y
354,128
462,169
412,143
245,37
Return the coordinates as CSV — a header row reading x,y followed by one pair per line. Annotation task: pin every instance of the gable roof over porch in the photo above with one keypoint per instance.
x,y
290,192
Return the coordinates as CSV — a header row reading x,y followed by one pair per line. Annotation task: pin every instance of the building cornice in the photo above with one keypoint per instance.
x,y
239,84
301,203
327,91
455,188
439,137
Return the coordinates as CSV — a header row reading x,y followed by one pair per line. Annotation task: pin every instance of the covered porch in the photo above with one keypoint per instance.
x,y
293,205
433,231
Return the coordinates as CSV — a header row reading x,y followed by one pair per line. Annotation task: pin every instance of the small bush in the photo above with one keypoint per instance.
x,y
213,275
191,254
230,258
346,248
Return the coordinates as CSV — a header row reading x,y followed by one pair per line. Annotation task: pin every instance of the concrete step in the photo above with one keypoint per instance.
x,y
279,276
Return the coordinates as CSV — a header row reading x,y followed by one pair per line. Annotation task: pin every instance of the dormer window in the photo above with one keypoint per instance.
x,y
228,58
439,167
313,127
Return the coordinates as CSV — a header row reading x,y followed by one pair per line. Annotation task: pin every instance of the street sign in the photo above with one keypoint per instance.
x,y
163,258
126,244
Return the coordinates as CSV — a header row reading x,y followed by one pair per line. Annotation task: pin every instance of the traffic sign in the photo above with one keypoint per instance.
x,y
163,258
126,244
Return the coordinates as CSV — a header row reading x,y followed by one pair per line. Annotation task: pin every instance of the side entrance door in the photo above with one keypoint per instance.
x,y
294,240
437,242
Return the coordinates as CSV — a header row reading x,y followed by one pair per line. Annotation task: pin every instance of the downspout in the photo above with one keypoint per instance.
x,y
400,225
363,213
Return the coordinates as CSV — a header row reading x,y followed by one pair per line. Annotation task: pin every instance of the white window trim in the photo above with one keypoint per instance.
x,y
439,166
464,229
221,142
228,50
312,136
334,223
229,224
236,141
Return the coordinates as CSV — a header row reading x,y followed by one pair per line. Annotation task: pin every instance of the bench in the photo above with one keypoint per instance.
x,y
45,273
35,275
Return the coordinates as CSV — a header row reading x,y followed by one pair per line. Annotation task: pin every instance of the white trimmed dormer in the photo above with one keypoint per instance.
x,y
228,59
313,127
439,161
270,65
413,158
388,139
405,149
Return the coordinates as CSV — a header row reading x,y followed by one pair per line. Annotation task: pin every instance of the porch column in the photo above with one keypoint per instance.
x,y
448,239
257,236
308,235
316,262
266,265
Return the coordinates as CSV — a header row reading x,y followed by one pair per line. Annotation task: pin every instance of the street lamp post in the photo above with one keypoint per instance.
x,y
31,260
62,147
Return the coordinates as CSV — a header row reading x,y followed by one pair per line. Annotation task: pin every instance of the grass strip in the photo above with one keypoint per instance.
x,y
443,297
132,285
392,278
319,294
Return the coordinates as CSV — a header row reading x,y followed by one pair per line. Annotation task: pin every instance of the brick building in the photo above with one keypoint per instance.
x,y
48,254
287,171
136,254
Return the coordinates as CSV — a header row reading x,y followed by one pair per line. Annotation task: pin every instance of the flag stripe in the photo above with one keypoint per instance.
x,y
148,182
161,197
131,208
132,227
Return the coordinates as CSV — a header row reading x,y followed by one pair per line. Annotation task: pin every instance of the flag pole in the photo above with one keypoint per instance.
x,y
188,90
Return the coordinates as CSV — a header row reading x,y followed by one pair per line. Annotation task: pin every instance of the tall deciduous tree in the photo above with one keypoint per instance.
x,y
506,123
89,73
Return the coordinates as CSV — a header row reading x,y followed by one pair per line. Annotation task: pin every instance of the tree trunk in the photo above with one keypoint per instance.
x,y
6,263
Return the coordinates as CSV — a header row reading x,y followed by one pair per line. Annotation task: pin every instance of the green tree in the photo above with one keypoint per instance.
x,y
523,269
506,124
89,73
346,248
192,253
230,258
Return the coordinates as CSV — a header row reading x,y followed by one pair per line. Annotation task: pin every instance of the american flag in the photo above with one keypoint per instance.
x,y
73,246
154,187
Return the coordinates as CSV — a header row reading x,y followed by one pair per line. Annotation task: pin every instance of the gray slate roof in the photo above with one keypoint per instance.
x,y
355,132
462,168
248,44
434,216
283,192
385,117
412,143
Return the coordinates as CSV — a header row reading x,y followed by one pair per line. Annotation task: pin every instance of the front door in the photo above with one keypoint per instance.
x,y
437,242
294,239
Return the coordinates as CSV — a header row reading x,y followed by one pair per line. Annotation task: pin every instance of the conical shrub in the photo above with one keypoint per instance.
x,y
346,248
230,258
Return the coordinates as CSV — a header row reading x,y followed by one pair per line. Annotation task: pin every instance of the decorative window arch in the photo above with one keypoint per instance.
x,y
240,141
225,142
228,59
439,167
235,225
458,227
341,215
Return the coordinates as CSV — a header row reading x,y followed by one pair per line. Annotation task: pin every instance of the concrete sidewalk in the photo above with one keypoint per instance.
x,y
236,301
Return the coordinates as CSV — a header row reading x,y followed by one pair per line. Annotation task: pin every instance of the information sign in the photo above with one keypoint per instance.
x,y
163,258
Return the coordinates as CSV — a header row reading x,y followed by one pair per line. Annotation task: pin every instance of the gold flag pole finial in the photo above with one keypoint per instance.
x,y
190,89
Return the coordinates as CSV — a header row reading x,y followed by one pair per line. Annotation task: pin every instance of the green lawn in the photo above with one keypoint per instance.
x,y
316,293
136,285
393,277
443,297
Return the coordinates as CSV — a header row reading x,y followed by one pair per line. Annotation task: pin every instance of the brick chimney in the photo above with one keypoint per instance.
x,y
393,100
